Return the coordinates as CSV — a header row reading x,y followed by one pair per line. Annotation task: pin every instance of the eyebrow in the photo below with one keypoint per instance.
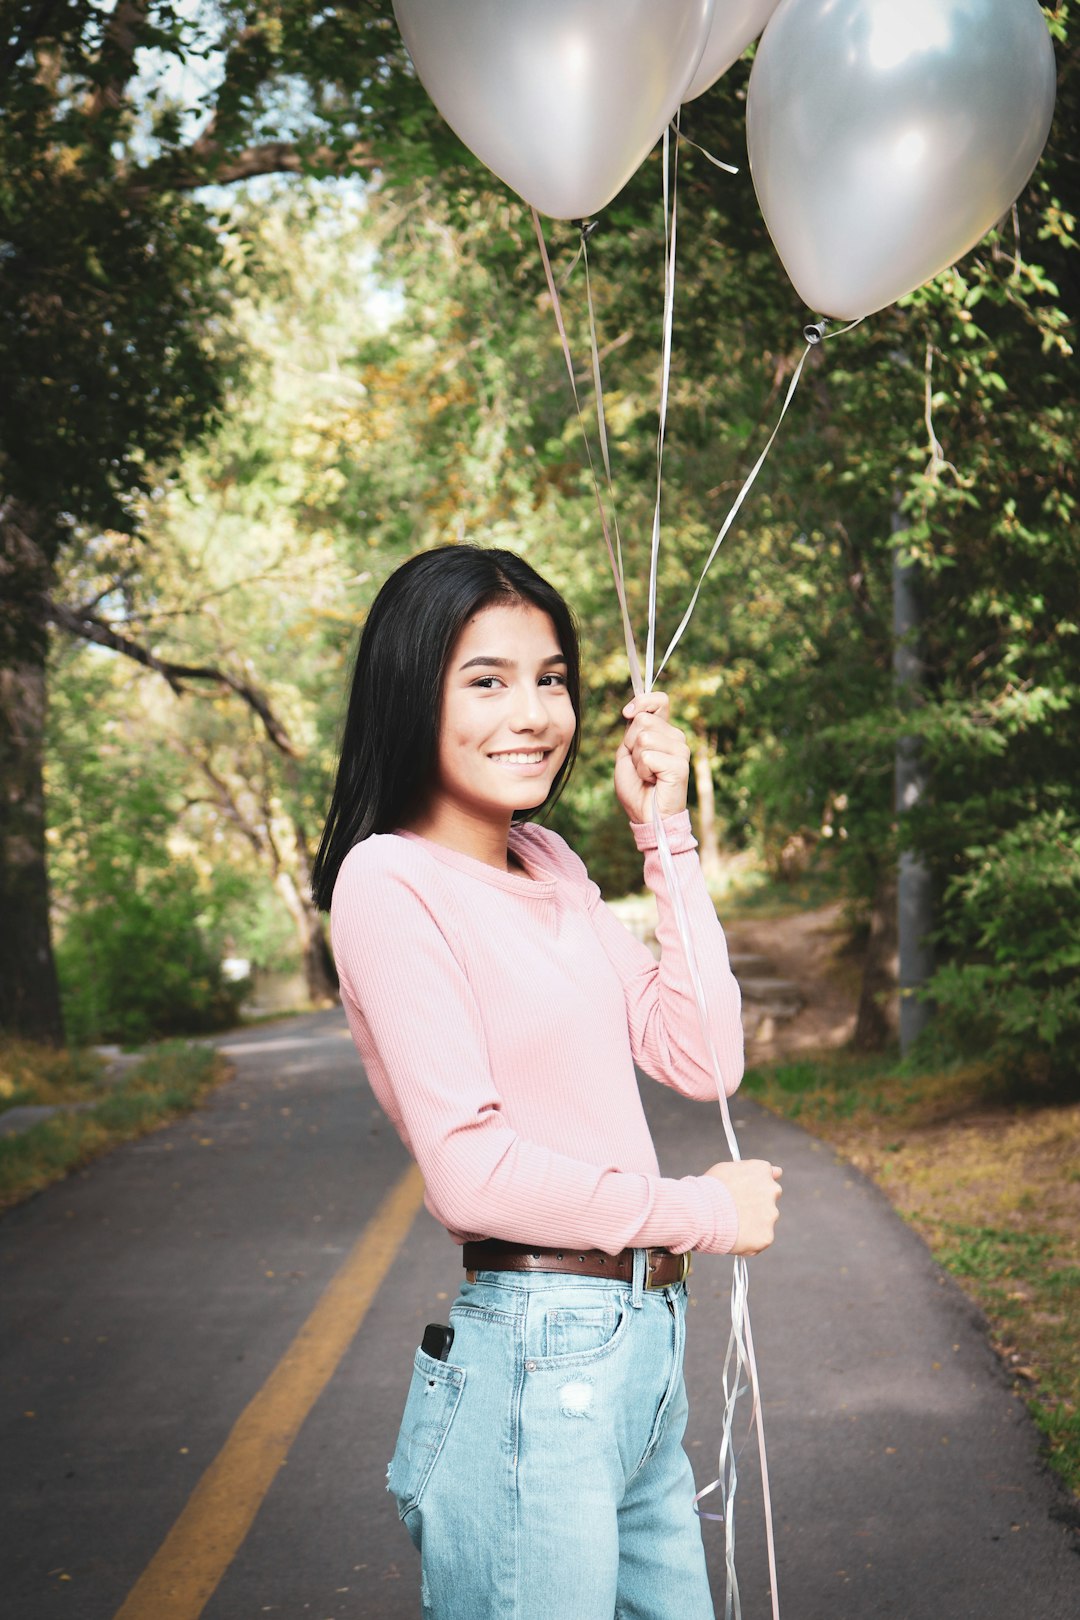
x,y
510,663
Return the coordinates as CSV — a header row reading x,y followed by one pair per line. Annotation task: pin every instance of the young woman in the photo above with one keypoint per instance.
x,y
499,1009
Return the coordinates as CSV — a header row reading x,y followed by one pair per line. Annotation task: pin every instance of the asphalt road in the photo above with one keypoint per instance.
x,y
147,1301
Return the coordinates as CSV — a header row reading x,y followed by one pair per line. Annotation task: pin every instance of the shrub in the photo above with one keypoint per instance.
x,y
1012,985
141,963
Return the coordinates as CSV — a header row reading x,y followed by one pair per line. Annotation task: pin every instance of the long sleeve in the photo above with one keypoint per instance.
x,y
661,1008
426,1044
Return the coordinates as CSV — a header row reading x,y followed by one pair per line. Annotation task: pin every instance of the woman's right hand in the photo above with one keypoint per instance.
x,y
754,1184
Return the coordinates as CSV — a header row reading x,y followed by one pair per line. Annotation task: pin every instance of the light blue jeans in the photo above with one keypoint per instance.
x,y
540,1470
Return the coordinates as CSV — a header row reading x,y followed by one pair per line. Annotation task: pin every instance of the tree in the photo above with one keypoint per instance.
x,y
234,579
113,338
142,921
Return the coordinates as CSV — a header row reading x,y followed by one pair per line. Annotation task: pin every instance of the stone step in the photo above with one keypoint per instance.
x,y
778,997
756,967
766,987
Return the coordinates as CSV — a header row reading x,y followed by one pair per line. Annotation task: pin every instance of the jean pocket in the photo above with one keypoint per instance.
x,y
576,1330
433,1399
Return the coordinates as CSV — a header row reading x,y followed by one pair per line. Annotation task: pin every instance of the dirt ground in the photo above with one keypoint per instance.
x,y
806,950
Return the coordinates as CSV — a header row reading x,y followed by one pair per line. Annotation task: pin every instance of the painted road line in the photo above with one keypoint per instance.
x,y
179,1581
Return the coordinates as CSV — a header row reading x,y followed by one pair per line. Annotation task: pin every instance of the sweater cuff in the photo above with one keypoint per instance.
x,y
725,1217
680,833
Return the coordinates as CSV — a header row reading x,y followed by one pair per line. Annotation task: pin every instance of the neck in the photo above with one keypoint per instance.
x,y
456,827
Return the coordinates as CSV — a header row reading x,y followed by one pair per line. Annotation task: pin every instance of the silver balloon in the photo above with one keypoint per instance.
x,y
886,137
563,99
735,23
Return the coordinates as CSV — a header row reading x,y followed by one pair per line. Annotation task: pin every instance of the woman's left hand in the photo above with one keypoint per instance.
x,y
653,757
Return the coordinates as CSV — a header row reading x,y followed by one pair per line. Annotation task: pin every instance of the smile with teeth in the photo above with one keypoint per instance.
x,y
532,757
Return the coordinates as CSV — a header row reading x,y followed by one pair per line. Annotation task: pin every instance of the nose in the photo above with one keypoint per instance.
x,y
529,711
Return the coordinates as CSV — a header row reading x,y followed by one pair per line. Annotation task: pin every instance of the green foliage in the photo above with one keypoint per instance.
x,y
140,949
238,567
595,828
1014,992
257,927
757,893
106,304
142,963
115,346
113,317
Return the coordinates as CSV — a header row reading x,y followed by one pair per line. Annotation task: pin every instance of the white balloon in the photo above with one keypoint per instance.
x,y
563,99
735,23
886,137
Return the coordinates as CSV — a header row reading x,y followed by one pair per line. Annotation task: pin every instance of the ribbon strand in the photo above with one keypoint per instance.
x,y
813,336
671,215
739,1374
717,163
614,558
740,1361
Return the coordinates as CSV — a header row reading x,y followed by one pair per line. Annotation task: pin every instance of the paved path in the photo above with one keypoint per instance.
x,y
147,1301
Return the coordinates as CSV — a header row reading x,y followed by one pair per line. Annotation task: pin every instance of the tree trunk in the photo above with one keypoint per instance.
x,y
877,994
915,896
318,964
708,843
29,993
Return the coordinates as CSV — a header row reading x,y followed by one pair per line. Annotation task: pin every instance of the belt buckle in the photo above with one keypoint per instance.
x,y
684,1270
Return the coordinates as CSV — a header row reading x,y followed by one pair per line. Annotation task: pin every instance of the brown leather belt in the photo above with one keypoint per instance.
x,y
662,1268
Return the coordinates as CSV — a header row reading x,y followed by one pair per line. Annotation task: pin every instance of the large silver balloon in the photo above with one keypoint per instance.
x,y
735,23
887,136
563,99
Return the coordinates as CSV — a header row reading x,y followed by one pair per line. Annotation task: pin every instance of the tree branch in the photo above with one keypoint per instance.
x,y
228,807
117,583
118,54
205,164
88,628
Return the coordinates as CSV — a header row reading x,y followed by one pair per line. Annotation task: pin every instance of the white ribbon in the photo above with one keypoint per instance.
x,y
614,556
740,1365
717,163
815,335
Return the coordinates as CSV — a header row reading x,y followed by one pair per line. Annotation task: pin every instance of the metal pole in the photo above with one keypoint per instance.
x,y
915,904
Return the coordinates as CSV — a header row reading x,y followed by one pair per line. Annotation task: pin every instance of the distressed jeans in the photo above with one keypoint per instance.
x,y
540,1470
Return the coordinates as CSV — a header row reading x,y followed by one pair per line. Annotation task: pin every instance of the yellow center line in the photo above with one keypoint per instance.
x,y
182,1576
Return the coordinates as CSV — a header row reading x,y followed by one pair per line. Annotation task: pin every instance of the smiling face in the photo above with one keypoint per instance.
x,y
506,725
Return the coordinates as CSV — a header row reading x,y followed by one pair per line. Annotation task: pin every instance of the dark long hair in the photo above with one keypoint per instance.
x,y
389,749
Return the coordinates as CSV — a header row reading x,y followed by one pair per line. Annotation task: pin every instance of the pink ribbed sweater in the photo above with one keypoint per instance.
x,y
499,1017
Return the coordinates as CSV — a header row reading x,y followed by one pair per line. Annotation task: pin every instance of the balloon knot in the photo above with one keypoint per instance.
x,y
586,227
816,332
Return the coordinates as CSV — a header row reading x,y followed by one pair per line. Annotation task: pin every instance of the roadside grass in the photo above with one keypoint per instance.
x,y
44,1074
988,1171
171,1080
